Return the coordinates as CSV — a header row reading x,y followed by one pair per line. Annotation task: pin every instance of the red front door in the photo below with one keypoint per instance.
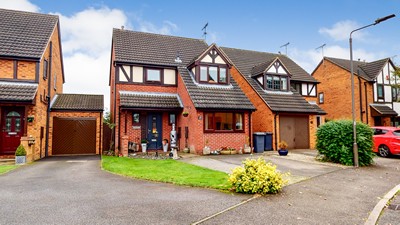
x,y
12,129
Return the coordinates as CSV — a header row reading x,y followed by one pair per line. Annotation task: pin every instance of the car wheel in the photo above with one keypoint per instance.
x,y
383,151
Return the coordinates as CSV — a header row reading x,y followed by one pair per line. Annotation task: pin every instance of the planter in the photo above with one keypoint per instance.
x,y
185,114
283,152
225,152
247,150
144,147
165,147
19,160
187,150
206,150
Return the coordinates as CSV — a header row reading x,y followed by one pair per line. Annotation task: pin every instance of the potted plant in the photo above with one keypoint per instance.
x,y
20,155
165,145
185,114
144,145
283,148
206,149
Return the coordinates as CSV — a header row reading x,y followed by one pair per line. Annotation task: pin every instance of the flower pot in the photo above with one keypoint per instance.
x,y
247,150
19,160
206,150
283,152
144,147
165,147
185,114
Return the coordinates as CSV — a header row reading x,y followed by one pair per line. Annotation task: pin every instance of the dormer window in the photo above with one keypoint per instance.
x,y
272,75
276,83
213,74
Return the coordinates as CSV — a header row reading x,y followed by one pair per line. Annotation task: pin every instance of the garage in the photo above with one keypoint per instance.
x,y
295,131
74,136
76,124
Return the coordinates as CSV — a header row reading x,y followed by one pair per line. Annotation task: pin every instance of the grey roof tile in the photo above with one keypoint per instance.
x,y
78,102
148,48
25,34
215,96
366,70
131,99
290,102
17,91
383,110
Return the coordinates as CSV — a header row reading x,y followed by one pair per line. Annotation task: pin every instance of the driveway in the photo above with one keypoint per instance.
x,y
74,190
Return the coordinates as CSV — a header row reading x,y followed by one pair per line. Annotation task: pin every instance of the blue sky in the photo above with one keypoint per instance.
x,y
86,27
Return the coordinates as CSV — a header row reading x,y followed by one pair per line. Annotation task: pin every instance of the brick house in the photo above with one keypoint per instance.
x,y
283,93
376,101
31,76
155,78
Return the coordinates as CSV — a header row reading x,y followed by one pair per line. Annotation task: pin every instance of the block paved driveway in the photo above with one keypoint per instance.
x,y
74,190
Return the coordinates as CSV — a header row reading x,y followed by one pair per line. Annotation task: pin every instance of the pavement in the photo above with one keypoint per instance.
x,y
74,190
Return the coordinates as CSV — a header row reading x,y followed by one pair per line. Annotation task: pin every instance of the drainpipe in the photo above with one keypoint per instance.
x,y
360,94
48,96
366,102
250,136
276,135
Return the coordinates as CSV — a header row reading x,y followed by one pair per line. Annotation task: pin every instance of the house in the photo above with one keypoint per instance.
x,y
31,78
155,78
283,93
376,101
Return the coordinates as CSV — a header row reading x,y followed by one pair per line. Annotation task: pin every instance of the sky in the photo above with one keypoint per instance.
x,y
260,25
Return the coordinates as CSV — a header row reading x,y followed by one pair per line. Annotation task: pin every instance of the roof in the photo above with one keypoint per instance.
x,y
80,102
289,102
366,70
206,96
245,60
383,110
132,99
260,68
157,49
25,34
17,91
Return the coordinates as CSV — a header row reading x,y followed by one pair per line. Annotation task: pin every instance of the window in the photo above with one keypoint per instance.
x,y
55,81
223,122
153,75
45,67
321,98
213,74
135,118
379,88
172,118
395,93
296,86
277,83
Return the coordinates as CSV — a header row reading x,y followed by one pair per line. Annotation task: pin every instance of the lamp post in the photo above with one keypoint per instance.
x,y
355,147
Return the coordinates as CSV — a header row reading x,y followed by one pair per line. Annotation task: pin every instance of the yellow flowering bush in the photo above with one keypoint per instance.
x,y
256,176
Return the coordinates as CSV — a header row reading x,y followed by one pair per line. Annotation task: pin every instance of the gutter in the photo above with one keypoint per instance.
x,y
276,135
48,97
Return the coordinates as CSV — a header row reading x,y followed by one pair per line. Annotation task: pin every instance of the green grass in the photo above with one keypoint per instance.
x,y
170,171
6,168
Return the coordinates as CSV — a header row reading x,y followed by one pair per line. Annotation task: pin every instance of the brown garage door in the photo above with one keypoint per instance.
x,y
294,130
74,136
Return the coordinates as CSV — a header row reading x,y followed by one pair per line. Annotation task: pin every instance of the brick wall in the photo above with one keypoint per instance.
x,y
336,86
6,68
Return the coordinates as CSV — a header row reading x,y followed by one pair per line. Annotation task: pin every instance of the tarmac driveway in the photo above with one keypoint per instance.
x,y
74,190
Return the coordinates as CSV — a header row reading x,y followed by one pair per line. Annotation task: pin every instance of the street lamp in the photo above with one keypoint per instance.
x,y
355,147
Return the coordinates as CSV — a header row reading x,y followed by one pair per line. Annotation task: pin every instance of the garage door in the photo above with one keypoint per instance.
x,y
74,136
294,130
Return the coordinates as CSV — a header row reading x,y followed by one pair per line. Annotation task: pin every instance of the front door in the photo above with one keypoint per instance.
x,y
12,129
154,131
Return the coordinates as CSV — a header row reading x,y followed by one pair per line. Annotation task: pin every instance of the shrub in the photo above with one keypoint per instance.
x,y
257,176
335,142
20,151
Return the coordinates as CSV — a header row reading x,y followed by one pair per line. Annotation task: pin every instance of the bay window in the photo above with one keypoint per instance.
x,y
223,122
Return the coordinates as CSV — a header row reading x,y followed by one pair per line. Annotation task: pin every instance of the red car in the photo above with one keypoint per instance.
x,y
386,140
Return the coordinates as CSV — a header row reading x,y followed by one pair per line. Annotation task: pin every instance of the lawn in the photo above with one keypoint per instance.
x,y
170,171
6,168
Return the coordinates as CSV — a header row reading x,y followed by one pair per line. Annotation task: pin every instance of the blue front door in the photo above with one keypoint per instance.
x,y
154,131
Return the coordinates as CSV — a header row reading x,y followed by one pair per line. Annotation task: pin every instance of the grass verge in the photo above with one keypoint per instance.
x,y
7,168
169,171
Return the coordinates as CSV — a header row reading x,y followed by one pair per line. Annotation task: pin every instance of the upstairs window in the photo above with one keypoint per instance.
x,y
276,83
45,68
379,91
213,74
153,75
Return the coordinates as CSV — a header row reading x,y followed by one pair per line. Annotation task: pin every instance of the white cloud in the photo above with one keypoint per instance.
x,y
167,27
309,59
341,31
23,5
90,30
